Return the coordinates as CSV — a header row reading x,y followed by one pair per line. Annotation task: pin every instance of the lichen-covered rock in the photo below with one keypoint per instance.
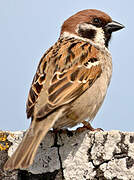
x,y
74,155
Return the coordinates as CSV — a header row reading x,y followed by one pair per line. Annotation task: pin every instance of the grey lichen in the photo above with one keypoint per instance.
x,y
78,155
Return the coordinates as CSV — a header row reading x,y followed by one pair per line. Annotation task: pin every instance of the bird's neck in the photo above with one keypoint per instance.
x,y
98,45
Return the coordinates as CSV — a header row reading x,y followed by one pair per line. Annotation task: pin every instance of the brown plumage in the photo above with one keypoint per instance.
x,y
70,82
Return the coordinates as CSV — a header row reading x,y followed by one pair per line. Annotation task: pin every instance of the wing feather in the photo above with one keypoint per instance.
x,y
75,68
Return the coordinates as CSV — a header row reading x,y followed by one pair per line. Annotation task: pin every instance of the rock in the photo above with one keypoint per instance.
x,y
74,155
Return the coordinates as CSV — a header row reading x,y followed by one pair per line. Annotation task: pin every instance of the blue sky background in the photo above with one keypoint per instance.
x,y
29,27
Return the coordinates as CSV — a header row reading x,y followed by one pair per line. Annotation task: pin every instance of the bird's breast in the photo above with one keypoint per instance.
x,y
87,105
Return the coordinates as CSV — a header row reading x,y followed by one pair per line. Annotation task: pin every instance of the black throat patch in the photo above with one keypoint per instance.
x,y
107,37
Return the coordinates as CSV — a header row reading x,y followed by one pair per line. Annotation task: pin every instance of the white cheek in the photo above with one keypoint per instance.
x,y
85,26
99,38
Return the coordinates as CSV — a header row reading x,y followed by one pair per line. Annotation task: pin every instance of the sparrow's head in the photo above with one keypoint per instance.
x,y
91,24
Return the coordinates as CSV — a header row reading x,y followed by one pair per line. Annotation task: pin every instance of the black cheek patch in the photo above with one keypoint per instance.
x,y
87,33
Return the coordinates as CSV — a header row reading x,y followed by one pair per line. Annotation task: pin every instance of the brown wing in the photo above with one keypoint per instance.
x,y
37,83
76,68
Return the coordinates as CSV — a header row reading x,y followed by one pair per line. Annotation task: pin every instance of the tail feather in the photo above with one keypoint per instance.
x,y
27,159
32,151
25,153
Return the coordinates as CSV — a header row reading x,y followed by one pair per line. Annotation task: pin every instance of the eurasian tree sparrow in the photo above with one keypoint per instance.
x,y
71,81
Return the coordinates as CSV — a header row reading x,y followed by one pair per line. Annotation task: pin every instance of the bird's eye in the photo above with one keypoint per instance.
x,y
97,21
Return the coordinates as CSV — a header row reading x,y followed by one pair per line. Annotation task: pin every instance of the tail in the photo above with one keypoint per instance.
x,y
25,153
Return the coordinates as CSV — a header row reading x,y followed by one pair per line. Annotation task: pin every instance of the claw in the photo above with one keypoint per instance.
x,y
88,126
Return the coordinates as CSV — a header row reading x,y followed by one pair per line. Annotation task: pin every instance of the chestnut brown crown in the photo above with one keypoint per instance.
x,y
85,16
91,18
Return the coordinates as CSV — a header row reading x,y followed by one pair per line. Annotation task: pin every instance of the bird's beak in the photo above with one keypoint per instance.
x,y
113,26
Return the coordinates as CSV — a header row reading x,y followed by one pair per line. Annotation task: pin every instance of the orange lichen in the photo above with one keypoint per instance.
x,y
3,145
3,137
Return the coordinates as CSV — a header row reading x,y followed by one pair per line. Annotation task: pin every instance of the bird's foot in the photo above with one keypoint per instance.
x,y
87,126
